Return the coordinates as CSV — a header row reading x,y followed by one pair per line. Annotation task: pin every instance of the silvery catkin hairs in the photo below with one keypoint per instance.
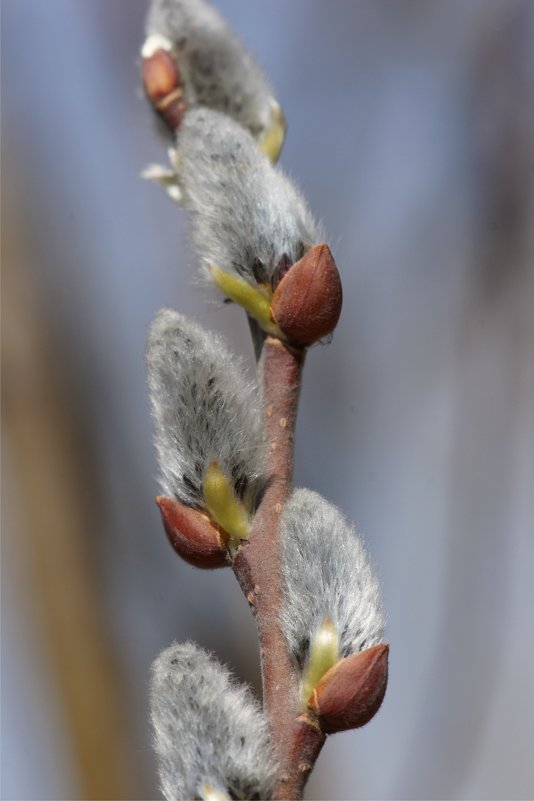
x,y
214,67
245,214
208,730
326,574
203,409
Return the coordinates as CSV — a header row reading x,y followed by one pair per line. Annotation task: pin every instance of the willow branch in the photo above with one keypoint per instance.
x,y
297,741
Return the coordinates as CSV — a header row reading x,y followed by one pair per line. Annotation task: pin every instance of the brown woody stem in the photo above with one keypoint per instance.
x,y
296,739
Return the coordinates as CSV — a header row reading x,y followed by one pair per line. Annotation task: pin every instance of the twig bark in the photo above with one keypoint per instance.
x,y
296,738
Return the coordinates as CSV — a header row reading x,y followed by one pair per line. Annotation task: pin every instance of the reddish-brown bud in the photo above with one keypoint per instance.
x,y
351,692
163,86
192,535
307,302
160,75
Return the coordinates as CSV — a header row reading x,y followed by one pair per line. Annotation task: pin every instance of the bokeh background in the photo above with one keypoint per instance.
x,y
411,132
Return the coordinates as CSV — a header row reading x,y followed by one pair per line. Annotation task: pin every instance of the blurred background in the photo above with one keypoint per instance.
x,y
411,132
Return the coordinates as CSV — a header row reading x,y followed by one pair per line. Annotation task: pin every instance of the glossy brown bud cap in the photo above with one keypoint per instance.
x,y
351,692
160,75
307,302
163,86
192,535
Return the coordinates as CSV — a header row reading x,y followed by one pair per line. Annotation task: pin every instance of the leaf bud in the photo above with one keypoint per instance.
x,y
307,302
351,692
272,139
223,505
192,535
255,301
324,653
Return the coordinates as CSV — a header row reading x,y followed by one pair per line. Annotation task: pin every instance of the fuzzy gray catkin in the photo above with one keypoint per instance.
x,y
326,573
214,67
207,728
245,214
203,409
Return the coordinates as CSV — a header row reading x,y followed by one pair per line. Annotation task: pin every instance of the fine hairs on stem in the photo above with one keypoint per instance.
x,y
225,442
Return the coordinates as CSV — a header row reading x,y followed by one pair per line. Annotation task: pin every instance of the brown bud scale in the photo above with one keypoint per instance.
x,y
307,302
351,692
163,87
192,535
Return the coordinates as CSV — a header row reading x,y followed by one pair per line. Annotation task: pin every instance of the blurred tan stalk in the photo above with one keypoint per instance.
x,y
42,431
